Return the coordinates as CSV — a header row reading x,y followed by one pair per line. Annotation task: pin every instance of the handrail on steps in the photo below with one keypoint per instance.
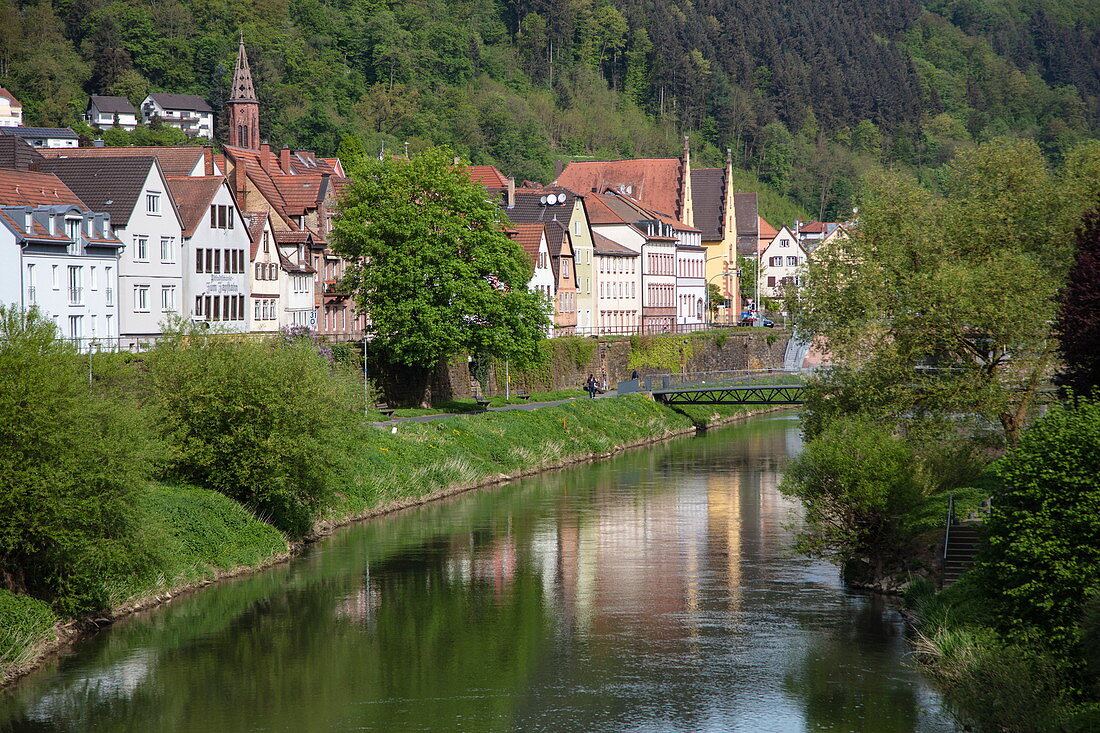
x,y
950,521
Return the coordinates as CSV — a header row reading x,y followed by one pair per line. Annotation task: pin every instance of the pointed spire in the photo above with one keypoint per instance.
x,y
242,77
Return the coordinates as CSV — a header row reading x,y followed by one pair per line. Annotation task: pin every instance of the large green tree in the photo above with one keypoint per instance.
x,y
433,268
940,304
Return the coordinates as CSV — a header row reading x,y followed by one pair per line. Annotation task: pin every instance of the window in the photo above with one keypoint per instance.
x,y
208,257
93,280
72,229
256,310
267,242
141,298
76,327
152,203
32,291
771,282
141,248
168,298
216,256
221,216
792,261
76,285
775,262
784,243
167,250
198,306
107,325
108,291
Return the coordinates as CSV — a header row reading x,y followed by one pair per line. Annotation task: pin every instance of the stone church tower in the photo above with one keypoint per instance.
x,y
244,107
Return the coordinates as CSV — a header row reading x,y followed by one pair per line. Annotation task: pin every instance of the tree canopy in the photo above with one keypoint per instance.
x,y
940,304
431,263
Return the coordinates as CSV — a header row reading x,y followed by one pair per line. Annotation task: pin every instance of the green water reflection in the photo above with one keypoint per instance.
x,y
653,592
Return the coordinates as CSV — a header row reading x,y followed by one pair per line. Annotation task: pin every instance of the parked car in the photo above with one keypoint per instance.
x,y
749,318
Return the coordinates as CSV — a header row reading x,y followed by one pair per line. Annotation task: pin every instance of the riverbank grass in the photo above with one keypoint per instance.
x,y
186,536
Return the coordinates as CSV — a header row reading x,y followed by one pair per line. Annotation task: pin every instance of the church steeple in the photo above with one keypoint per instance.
x,y
244,107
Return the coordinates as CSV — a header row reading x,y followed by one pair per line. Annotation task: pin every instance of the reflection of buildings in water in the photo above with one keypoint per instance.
x,y
361,605
724,532
111,684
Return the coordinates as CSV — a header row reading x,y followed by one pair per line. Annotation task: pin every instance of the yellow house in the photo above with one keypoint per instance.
x,y
715,216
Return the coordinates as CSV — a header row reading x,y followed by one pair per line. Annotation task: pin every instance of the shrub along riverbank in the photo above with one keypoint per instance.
x,y
239,452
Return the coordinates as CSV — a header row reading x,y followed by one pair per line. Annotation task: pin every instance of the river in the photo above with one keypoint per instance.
x,y
656,591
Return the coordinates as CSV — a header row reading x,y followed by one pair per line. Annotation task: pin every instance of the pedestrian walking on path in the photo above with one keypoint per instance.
x,y
590,386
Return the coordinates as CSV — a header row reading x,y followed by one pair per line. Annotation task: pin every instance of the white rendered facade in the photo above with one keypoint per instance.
x,y
296,287
64,262
691,283
619,295
267,281
216,266
780,262
199,123
151,266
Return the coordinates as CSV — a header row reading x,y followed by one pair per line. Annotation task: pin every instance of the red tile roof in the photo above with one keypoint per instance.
x,y
529,238
175,160
257,220
767,231
193,197
25,188
10,97
655,182
487,175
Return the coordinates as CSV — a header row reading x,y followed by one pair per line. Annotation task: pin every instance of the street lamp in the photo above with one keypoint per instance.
x,y
706,315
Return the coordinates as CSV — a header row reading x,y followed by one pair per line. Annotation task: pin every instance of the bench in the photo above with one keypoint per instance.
x,y
385,409
524,397
482,403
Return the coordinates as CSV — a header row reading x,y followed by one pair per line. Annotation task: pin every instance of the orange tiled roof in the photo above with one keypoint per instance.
x,y
175,160
655,182
25,188
12,101
486,175
529,238
193,197
767,231
257,220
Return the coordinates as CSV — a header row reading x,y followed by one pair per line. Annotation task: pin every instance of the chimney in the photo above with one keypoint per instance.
x,y
511,192
208,159
322,207
240,192
284,160
458,160
265,154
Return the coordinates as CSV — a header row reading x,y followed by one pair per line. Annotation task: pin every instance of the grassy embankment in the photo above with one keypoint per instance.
x,y
189,536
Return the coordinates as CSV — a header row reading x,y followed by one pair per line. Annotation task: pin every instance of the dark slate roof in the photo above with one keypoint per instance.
x,y
18,154
112,105
529,208
36,132
105,184
746,212
187,102
605,246
707,189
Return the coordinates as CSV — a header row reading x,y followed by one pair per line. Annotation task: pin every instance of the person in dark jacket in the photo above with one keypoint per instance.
x,y
590,386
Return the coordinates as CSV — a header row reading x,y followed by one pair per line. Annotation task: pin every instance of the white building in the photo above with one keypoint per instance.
x,y
266,276
58,256
11,111
779,263
619,296
532,239
297,282
44,137
188,112
135,191
106,112
216,247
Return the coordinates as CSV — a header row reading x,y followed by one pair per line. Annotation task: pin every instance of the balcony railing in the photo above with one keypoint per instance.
x,y
76,296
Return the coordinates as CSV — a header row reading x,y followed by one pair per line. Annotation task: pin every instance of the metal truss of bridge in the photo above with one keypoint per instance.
x,y
757,394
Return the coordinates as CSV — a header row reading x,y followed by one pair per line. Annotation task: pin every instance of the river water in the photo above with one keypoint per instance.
x,y
656,591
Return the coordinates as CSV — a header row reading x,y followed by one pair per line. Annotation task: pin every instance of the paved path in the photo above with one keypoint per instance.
x,y
522,406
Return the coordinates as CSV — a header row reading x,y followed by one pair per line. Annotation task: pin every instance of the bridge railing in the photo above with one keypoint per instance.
x,y
655,382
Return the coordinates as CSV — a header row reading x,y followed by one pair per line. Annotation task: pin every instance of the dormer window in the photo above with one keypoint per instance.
x,y
72,229
28,221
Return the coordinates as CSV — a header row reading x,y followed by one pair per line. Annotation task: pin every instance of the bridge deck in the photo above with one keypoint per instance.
x,y
759,394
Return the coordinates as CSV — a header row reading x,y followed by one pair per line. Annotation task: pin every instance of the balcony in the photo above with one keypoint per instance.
x,y
76,296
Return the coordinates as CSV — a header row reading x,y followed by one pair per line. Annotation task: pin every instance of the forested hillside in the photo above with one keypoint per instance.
x,y
807,94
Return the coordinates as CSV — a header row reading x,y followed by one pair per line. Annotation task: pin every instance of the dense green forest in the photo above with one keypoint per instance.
x,y
807,94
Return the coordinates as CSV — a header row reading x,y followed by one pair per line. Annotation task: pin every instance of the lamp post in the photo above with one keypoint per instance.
x,y
725,271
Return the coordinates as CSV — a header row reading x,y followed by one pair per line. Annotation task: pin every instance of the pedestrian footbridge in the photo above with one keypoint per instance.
x,y
744,387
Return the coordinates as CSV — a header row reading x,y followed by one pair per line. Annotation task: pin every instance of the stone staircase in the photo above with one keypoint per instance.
x,y
960,548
